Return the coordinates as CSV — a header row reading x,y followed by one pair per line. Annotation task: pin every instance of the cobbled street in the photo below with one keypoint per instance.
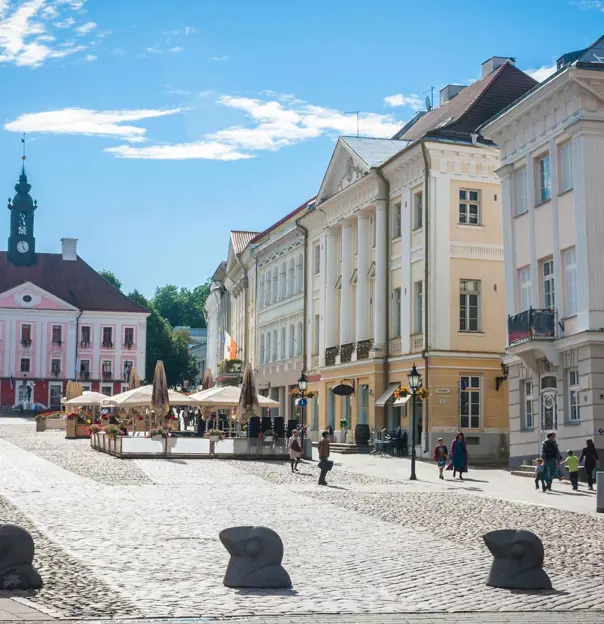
x,y
140,538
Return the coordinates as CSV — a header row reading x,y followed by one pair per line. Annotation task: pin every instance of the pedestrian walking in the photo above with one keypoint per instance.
x,y
550,455
539,475
589,456
440,456
295,450
459,455
324,464
572,463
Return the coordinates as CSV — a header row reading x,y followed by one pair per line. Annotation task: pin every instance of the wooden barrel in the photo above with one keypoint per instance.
x,y
361,435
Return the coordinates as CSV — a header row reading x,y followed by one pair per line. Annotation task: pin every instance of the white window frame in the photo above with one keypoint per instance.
x,y
316,334
569,257
520,194
525,287
565,167
108,387
52,361
469,288
268,347
292,340
283,283
268,289
262,354
261,301
396,313
397,223
275,346
473,390
316,263
283,344
468,199
574,407
418,307
300,274
25,359
529,405
292,277
275,285
418,210
60,333
543,179
548,284
300,338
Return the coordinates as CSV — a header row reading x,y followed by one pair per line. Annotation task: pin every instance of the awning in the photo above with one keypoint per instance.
x,y
386,395
402,401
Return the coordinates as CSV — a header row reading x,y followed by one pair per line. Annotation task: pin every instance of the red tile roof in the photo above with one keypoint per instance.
x,y
241,239
75,282
287,217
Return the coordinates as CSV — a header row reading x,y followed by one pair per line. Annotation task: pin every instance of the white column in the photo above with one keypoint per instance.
x,y
553,159
505,173
530,197
331,272
282,397
381,274
363,265
346,303
407,301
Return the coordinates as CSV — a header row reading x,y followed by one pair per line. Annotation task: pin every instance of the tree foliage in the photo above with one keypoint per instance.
x,y
181,306
111,278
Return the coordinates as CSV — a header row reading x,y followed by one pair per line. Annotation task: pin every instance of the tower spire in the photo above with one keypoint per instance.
x,y
23,156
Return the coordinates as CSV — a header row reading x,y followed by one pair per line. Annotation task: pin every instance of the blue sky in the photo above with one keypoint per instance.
x,y
154,128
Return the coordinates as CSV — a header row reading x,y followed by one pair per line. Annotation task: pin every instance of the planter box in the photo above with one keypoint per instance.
x,y
188,446
55,423
143,446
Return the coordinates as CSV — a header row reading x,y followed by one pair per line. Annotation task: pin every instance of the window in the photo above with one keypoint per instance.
x,y
529,415
299,274
275,284
292,341
570,281
469,306
129,337
22,225
261,291
107,337
261,349
520,191
300,339
107,390
547,268
396,312
470,403
396,220
268,348
418,210
128,365
84,369
283,344
25,365
292,276
469,207
267,291
283,282
543,179
106,369
275,345
524,283
418,317
57,335
566,167
573,396
55,367
315,335
85,337
26,335
316,261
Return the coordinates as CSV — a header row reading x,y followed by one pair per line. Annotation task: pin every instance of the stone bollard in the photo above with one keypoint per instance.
x,y
16,557
600,491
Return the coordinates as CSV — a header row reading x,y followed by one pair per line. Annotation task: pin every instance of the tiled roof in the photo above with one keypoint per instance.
x,y
474,105
287,217
241,240
75,282
372,151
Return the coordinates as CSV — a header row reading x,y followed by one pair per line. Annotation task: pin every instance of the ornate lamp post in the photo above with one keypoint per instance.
x,y
415,383
302,386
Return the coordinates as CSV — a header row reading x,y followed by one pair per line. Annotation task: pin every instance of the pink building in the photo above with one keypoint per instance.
x,y
60,320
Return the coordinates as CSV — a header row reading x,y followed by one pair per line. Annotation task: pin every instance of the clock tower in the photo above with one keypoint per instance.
x,y
21,242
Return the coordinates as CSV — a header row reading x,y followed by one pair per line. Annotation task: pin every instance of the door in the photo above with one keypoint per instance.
x,y
25,395
56,390
549,404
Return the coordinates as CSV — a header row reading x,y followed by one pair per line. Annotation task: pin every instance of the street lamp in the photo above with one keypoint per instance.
x,y
415,383
302,386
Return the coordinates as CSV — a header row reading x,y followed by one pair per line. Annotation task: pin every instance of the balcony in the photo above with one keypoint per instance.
x,y
84,375
56,371
26,342
330,355
85,344
128,343
417,343
346,352
57,342
395,347
107,374
532,325
364,348
107,344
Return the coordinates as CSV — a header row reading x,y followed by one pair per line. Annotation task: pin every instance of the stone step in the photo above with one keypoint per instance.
x,y
338,447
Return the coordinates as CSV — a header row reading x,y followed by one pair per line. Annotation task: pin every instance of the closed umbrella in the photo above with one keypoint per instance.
x,y
72,391
133,379
248,398
160,400
208,381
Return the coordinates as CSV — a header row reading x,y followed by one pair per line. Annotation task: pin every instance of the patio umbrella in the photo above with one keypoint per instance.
x,y
207,381
248,398
87,398
143,397
160,400
133,379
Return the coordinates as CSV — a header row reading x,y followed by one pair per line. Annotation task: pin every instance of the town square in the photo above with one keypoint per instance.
x,y
295,329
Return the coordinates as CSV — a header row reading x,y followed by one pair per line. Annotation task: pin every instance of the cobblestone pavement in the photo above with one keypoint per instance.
x,y
374,547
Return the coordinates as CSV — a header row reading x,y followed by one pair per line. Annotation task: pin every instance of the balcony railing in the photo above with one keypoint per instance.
x,y
532,324
107,374
128,343
26,342
56,371
395,347
85,344
107,344
417,343
85,375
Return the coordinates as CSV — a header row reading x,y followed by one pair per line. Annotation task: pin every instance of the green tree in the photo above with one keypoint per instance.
x,y
111,278
182,306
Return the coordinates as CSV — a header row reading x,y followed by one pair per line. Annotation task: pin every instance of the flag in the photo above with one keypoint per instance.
x,y
12,382
230,347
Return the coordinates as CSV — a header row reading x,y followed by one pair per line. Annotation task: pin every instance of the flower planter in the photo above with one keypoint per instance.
x,y
214,438
341,436
41,424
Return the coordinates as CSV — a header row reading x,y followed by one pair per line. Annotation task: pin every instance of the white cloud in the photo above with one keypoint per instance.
x,y
175,49
412,101
83,121
84,29
186,30
25,39
542,73
587,5
90,57
157,50
219,58
205,150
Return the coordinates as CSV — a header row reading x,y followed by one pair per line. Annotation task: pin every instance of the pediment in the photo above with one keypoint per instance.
x,y
344,169
29,296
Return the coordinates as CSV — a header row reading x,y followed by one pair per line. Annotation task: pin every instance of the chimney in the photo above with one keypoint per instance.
x,y
494,62
449,92
69,249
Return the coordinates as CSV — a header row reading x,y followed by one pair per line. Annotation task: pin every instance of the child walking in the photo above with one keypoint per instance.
x,y
440,455
540,474
572,463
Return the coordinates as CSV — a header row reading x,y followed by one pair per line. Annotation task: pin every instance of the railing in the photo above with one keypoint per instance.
x,y
57,341
85,375
56,371
128,343
395,347
107,374
532,324
107,344
330,355
26,342
85,344
417,343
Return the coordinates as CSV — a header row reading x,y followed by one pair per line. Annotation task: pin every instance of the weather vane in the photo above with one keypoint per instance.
x,y
23,157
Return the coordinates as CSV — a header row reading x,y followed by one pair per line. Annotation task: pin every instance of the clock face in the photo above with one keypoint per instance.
x,y
22,246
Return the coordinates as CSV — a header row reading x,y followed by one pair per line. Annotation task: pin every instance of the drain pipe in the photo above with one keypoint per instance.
x,y
426,302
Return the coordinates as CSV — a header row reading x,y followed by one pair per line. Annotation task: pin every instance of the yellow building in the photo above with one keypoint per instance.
x,y
404,265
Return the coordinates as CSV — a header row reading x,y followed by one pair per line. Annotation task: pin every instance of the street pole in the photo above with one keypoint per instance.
x,y
413,476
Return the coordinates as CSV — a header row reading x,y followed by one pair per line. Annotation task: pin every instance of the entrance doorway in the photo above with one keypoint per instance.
x,y
25,395
55,396
549,404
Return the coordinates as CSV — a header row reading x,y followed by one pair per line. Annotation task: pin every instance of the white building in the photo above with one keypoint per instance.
x,y
216,313
552,154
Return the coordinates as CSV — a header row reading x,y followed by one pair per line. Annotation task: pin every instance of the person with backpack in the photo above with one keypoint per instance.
x,y
550,454
295,450
325,465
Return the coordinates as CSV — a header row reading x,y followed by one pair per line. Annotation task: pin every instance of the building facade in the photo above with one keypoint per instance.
x,y
60,320
552,150
216,312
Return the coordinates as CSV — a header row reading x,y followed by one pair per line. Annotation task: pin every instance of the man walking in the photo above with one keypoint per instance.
x,y
324,463
550,455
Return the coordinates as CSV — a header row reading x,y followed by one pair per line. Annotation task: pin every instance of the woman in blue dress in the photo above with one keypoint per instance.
x,y
459,455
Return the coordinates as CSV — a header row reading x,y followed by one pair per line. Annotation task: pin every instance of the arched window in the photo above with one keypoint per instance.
x,y
261,349
261,291
283,343
300,338
292,277
292,341
267,299
283,283
268,348
275,345
275,284
300,274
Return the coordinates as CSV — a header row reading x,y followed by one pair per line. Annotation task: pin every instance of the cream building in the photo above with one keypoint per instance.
x,y
552,151
216,313
405,265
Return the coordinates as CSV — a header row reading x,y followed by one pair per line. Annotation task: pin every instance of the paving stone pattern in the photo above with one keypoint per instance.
x,y
372,548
